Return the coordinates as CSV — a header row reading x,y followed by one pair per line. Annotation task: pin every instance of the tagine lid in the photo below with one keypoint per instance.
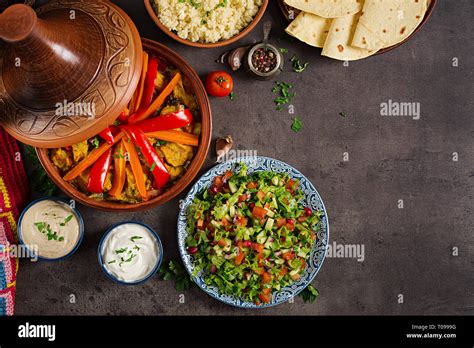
x,y
66,71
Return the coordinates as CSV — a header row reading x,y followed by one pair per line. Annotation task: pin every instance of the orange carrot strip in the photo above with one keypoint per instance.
x,y
136,168
141,84
90,159
158,101
175,136
119,170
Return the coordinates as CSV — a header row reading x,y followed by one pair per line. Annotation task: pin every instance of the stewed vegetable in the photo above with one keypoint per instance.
x,y
150,145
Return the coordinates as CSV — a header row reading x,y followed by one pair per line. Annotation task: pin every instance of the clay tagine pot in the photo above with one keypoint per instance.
x,y
66,71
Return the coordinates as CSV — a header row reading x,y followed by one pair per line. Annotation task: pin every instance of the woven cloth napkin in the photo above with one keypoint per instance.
x,y
14,194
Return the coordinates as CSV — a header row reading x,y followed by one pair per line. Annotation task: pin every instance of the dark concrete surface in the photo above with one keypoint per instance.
x,y
408,251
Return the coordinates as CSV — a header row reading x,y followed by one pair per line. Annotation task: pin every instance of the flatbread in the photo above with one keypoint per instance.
x,y
310,29
338,41
327,8
385,23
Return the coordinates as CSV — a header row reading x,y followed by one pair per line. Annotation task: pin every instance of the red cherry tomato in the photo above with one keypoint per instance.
x,y
219,84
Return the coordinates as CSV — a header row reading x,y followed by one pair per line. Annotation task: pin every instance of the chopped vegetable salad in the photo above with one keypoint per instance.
x,y
250,234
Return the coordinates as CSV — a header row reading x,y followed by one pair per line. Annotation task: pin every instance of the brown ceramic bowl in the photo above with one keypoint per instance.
x,y
235,38
206,118
285,9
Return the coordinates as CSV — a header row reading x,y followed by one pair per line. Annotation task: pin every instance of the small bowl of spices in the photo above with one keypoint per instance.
x,y
264,61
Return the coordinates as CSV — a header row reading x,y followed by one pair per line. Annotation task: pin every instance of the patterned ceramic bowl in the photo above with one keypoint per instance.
x,y
311,199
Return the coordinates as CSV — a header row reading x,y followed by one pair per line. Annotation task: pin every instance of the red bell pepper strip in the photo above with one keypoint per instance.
x,y
124,115
149,88
98,173
107,135
157,167
166,122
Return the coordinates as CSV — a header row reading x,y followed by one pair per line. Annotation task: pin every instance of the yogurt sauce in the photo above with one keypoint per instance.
x,y
50,227
130,252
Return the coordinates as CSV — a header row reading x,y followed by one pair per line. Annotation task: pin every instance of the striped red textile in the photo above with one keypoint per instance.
x,y
14,194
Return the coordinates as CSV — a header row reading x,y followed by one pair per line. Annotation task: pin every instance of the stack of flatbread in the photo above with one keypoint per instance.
x,y
355,29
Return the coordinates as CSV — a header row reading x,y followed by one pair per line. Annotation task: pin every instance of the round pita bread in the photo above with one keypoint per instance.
x,y
310,29
327,8
338,41
385,23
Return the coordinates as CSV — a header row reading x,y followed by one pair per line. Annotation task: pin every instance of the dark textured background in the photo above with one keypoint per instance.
x,y
407,251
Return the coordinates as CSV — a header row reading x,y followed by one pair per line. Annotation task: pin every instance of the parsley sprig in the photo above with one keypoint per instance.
x,y
296,125
284,94
297,66
45,228
174,270
41,184
309,294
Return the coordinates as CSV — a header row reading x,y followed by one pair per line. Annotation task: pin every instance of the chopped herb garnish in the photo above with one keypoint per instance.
x,y
95,142
194,4
152,168
232,96
113,261
283,50
45,228
134,238
297,66
343,114
296,125
160,143
60,239
120,251
118,154
127,260
40,226
222,3
66,220
285,96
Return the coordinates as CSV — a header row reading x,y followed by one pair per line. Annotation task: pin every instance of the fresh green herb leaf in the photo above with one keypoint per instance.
x,y
309,294
135,238
60,239
40,226
130,258
42,183
232,96
285,97
152,168
195,4
343,114
95,142
296,125
283,50
173,270
120,251
66,220
297,66
222,3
